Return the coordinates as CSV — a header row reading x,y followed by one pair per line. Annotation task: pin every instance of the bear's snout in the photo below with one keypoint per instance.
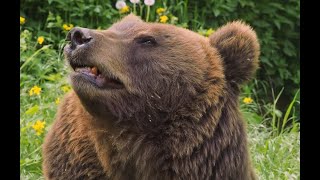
x,y
79,36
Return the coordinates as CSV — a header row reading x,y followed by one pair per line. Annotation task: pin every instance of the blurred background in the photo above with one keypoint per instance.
x,y
270,103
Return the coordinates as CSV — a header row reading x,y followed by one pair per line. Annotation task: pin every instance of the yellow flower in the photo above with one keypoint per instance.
x,y
66,88
160,10
35,90
247,100
40,39
209,32
66,27
38,127
125,9
22,20
163,19
57,101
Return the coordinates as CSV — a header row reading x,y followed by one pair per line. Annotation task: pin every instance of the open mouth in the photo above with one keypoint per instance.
x,y
94,75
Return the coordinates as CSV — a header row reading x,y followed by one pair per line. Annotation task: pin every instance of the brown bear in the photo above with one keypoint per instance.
x,y
153,102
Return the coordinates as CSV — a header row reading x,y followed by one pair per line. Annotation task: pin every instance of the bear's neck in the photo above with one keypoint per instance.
x,y
172,148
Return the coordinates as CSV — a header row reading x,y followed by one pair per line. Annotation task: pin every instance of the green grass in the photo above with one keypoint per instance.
x,y
274,157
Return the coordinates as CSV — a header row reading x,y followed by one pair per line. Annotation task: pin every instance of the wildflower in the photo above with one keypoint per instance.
x,y
38,127
57,101
209,32
125,9
247,100
66,88
22,20
120,5
35,90
163,19
134,1
40,39
149,2
66,27
160,10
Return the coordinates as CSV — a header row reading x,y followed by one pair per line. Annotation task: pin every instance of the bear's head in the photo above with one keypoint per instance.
x,y
152,73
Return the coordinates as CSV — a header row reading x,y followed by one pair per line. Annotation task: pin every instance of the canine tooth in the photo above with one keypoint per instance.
x,y
94,70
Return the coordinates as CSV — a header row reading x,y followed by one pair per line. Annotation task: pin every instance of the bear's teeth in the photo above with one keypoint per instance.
x,y
94,70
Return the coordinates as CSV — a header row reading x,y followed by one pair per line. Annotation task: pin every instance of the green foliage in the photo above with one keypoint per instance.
x,y
266,112
277,24
40,65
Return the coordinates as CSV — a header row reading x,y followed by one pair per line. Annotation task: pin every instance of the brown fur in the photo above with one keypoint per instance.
x,y
177,116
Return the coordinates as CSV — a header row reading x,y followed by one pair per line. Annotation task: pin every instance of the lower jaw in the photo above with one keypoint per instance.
x,y
96,81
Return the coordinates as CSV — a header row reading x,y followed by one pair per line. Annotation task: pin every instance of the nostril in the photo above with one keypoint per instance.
x,y
79,36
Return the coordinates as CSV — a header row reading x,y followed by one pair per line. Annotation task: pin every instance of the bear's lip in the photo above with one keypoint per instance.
x,y
93,75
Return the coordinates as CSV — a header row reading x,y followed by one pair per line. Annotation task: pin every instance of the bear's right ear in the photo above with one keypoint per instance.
x,y
239,48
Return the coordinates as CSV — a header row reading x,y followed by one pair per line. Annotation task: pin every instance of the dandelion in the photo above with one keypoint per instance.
x,y
22,20
134,1
120,5
160,10
40,40
163,19
149,2
67,27
35,90
209,32
124,9
38,127
66,88
57,101
247,100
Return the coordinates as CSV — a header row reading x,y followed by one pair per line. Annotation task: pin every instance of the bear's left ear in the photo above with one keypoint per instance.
x,y
239,48
132,18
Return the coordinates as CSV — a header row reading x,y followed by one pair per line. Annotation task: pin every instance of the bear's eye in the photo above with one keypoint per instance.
x,y
146,40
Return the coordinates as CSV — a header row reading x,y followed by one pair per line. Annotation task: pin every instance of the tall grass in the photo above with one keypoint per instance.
x,y
274,157
274,139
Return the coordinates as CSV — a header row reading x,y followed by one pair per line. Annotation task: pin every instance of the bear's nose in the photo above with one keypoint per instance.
x,y
79,36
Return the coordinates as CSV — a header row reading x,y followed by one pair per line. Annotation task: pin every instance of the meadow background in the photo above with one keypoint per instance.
x,y
270,103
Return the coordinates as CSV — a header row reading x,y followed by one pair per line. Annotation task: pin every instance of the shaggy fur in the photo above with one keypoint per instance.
x,y
176,115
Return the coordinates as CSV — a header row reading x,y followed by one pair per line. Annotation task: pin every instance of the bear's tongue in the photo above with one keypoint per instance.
x,y
91,71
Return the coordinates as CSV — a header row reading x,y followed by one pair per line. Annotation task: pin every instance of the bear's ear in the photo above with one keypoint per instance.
x,y
239,48
127,22
132,18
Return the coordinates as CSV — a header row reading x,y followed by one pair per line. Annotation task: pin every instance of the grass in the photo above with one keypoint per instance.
x,y
274,157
